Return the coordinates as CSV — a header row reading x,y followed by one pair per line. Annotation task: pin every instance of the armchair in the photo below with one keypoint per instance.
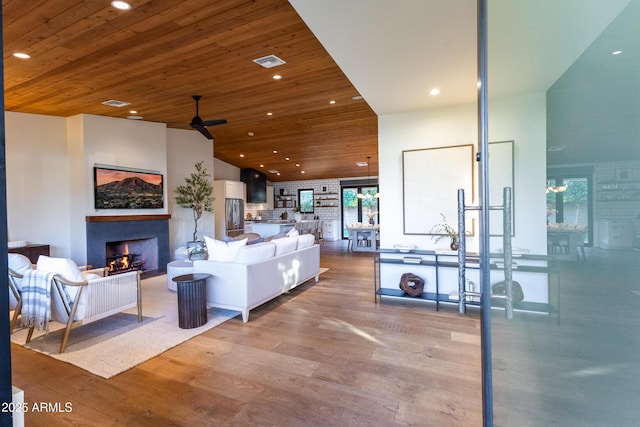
x,y
78,299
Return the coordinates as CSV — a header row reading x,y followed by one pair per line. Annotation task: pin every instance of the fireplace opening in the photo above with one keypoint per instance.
x,y
123,263
132,255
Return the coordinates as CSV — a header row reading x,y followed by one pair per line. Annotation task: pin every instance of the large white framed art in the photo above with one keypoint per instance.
x,y
431,178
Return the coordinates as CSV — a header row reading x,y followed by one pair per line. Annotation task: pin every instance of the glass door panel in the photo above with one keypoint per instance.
x,y
569,354
350,211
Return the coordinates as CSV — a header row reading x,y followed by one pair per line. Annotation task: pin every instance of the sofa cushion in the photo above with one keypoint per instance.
x,y
293,233
19,263
305,241
254,253
285,245
223,251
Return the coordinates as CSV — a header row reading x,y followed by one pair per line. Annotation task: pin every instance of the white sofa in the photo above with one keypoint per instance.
x,y
260,272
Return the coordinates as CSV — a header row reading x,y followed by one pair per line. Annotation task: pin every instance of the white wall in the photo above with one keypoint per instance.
x,y
38,196
521,119
185,148
50,173
225,171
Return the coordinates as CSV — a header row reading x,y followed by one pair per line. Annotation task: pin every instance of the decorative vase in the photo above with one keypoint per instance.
x,y
297,216
454,245
372,221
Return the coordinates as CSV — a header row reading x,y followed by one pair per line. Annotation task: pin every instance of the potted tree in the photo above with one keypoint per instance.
x,y
196,194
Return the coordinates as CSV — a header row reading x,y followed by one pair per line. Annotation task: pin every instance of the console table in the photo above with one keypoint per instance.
x,y
32,251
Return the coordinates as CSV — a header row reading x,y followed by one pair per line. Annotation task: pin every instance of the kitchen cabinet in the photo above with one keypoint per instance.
x,y
615,234
224,189
330,230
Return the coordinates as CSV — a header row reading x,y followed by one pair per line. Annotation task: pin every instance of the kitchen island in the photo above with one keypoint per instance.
x,y
270,228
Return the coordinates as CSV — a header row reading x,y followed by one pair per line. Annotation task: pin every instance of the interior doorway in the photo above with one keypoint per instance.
x,y
359,204
569,201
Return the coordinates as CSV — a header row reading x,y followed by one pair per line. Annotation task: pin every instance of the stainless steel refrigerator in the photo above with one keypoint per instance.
x,y
234,217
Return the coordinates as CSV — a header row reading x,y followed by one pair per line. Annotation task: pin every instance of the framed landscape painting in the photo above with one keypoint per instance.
x,y
120,188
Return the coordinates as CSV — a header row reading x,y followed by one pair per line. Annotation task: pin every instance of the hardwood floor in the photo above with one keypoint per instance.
x,y
321,355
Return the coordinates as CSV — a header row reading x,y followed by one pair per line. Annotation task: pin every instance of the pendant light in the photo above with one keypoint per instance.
x,y
368,195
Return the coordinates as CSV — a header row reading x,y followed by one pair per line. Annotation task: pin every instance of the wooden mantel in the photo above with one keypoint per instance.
x,y
116,218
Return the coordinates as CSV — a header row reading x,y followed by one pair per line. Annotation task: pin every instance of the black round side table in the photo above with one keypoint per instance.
x,y
192,299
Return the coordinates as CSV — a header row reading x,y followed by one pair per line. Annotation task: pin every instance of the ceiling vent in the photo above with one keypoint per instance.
x,y
115,103
269,61
272,171
362,164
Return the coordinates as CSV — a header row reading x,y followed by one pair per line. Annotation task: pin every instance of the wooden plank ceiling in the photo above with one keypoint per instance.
x,y
160,53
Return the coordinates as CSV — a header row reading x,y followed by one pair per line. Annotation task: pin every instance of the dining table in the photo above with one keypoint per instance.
x,y
363,237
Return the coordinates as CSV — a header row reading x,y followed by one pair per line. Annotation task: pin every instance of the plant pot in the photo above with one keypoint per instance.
x,y
197,250
454,245
297,216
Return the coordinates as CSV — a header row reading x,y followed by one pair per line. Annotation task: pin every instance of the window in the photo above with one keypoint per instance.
x,y
306,201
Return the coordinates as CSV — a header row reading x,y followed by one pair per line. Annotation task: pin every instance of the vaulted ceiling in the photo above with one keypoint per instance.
x,y
160,53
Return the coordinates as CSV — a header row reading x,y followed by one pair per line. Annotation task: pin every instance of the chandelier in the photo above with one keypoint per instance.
x,y
368,195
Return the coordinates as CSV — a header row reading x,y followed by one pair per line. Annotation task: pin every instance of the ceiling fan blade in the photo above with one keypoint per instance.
x,y
214,122
203,130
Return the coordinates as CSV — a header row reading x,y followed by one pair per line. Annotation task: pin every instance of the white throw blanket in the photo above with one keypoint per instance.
x,y
36,299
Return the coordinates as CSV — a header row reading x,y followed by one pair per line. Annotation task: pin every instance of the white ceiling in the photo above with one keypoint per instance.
x,y
395,52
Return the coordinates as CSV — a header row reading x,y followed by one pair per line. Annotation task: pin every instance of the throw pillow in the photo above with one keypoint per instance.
x,y
306,240
223,251
65,267
19,263
285,245
293,233
252,254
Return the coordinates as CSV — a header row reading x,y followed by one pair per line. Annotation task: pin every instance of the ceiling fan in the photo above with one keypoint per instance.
x,y
200,125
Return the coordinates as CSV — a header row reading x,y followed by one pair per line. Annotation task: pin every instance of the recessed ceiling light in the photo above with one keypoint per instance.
x,y
241,155
278,173
301,171
287,158
261,166
121,5
21,55
362,164
435,91
332,102
133,112
275,151
269,114
357,97
250,133
277,77
135,117
616,52
298,164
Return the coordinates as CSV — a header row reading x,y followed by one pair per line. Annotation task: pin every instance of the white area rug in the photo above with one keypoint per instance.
x,y
113,345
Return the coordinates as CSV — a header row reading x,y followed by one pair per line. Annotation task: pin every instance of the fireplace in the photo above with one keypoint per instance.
x,y
132,255
144,239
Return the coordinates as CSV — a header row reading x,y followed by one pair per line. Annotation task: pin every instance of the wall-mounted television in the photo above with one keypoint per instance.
x,y
122,188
